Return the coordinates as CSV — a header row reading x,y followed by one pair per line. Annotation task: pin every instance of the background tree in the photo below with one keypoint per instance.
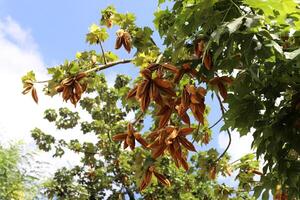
x,y
108,171
17,179
243,53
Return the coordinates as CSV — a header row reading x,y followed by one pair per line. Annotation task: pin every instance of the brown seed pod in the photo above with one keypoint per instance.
x,y
127,41
199,48
123,39
71,88
212,173
34,95
27,89
207,61
118,43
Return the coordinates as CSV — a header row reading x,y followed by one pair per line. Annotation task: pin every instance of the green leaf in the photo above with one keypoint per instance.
x,y
235,24
96,34
74,68
29,76
292,55
265,195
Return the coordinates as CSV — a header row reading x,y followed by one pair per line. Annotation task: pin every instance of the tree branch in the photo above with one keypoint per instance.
x,y
98,68
228,132
108,65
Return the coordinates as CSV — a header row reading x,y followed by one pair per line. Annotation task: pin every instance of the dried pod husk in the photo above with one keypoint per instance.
x,y
109,22
205,138
220,83
146,180
119,40
170,67
28,82
144,102
153,66
34,95
183,115
187,144
207,61
199,48
27,89
67,81
132,93
127,41
146,73
130,140
119,137
154,93
164,118
123,39
143,88
80,76
77,88
212,173
118,43
184,163
141,140
59,88
162,179
196,101
67,93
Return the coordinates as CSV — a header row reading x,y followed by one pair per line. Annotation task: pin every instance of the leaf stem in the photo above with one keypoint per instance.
x,y
103,53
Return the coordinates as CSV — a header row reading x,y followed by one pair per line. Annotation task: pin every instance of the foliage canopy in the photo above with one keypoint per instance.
x,y
244,53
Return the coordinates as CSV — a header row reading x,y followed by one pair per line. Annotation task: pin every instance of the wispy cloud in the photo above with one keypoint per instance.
x,y
239,147
19,114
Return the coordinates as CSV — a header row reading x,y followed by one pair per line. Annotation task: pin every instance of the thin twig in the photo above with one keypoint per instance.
x,y
153,41
226,13
228,132
108,65
138,119
216,123
239,9
103,53
46,81
159,58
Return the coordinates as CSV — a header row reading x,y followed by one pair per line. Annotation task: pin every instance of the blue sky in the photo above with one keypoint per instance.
x,y
59,27
45,33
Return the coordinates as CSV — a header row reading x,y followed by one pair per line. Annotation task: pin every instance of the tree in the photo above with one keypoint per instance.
x,y
16,181
243,53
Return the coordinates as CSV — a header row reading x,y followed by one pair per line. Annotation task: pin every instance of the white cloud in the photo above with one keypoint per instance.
x,y
19,114
239,147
